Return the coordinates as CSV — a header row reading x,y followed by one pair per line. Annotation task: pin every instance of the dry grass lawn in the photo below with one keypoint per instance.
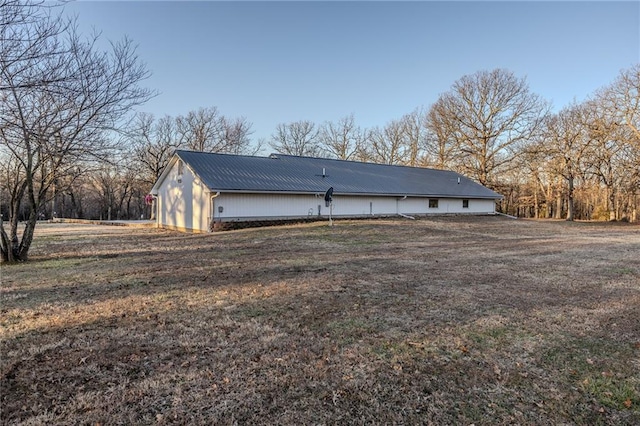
x,y
456,320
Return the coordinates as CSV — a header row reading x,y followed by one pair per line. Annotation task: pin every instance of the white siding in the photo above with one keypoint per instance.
x,y
265,205
454,205
478,206
183,201
254,206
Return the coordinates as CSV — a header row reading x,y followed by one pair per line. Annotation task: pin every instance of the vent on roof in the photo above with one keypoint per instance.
x,y
273,156
324,173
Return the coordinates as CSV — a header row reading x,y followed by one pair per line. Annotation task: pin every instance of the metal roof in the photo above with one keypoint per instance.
x,y
293,174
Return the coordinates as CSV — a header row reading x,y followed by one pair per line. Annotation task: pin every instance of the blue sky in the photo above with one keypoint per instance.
x,y
278,62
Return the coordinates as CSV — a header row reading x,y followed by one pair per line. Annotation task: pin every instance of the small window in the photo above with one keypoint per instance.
x,y
465,204
180,168
433,204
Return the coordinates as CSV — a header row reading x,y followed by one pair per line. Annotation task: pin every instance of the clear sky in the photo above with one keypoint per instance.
x,y
279,62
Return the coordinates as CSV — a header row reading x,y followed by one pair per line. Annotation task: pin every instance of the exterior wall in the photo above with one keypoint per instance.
x,y
183,202
238,206
282,206
454,206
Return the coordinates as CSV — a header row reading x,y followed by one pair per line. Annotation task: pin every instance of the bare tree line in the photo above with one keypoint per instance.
x,y
67,150
582,162
115,188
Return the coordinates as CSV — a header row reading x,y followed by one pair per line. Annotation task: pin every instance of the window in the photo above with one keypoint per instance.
x,y
465,204
433,204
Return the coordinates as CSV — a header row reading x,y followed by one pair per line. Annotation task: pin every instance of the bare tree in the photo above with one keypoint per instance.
x,y
236,137
567,142
341,139
624,100
440,144
59,96
201,130
489,116
115,186
603,156
206,130
389,145
153,142
29,33
415,130
296,138
624,97
630,166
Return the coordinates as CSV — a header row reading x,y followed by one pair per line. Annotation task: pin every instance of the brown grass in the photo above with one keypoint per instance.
x,y
459,320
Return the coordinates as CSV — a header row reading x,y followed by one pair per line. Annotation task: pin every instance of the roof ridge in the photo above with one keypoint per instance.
x,y
276,155
340,160
191,151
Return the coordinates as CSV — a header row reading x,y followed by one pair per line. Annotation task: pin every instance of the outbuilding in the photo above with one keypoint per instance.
x,y
197,190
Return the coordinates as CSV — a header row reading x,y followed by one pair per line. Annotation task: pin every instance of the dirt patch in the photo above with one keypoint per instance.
x,y
450,320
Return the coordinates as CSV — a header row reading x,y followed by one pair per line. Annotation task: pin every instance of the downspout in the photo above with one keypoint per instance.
x,y
506,215
213,213
155,205
406,216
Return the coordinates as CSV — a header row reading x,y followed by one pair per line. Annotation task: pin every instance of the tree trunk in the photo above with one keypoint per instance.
x,y
14,210
612,204
80,212
12,248
27,236
54,201
74,206
548,201
570,201
557,213
128,214
6,245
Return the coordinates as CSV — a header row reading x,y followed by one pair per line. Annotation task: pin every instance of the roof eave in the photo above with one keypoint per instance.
x,y
360,194
156,186
176,155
